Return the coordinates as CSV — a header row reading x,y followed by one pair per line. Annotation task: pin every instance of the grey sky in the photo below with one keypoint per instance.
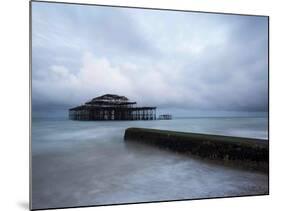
x,y
168,59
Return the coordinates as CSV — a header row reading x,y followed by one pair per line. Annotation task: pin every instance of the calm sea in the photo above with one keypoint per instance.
x,y
78,163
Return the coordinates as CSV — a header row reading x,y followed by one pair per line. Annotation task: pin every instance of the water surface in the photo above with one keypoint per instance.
x,y
76,163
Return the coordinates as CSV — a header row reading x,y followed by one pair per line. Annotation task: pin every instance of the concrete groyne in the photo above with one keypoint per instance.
x,y
249,152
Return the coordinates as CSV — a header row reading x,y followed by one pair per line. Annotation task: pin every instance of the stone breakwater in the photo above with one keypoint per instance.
x,y
242,152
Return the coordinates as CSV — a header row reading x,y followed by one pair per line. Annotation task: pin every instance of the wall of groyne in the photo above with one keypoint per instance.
x,y
248,152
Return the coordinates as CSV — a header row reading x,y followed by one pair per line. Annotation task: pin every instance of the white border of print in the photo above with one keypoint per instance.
x,y
14,92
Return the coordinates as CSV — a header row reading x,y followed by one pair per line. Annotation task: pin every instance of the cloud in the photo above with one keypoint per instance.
x,y
167,59
98,76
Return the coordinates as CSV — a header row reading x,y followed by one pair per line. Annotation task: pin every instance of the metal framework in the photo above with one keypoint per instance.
x,y
165,117
111,107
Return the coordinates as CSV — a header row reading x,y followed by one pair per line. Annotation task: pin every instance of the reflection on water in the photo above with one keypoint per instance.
x,y
88,163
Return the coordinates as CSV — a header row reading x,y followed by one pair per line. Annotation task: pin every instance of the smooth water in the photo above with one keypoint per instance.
x,y
79,163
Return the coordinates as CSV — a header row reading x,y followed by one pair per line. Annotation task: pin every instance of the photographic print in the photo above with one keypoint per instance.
x,y
135,105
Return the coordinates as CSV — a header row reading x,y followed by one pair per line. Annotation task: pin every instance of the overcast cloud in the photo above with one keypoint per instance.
x,y
166,59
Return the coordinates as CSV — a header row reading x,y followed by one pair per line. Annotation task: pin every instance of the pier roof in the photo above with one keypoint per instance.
x,y
110,99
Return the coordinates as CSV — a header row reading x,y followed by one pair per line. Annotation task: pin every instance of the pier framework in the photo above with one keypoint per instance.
x,y
111,107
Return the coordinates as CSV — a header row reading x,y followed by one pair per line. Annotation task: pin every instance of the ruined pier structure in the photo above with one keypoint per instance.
x,y
111,107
